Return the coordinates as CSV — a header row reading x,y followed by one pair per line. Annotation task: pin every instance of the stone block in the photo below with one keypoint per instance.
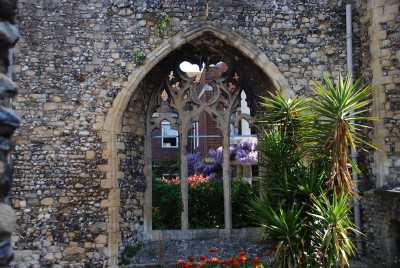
x,y
47,201
397,147
90,155
101,239
50,106
106,184
74,250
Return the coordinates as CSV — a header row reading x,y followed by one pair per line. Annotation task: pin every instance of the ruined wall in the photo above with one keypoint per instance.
x,y
74,59
381,66
379,32
381,222
132,182
9,121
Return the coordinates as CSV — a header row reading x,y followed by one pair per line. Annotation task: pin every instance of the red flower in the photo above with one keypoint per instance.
x,y
190,258
255,262
235,264
241,258
214,260
181,262
200,263
202,258
228,261
242,253
187,265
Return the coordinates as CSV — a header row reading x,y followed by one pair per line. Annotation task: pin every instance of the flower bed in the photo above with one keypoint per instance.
x,y
241,260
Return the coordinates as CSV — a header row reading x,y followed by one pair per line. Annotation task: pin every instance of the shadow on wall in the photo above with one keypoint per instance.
x,y
9,121
393,241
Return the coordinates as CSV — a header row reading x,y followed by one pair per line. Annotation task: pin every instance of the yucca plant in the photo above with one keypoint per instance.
x,y
285,228
306,172
332,227
282,161
340,108
291,116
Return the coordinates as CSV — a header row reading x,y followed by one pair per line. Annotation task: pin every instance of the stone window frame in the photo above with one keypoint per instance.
x,y
113,122
174,101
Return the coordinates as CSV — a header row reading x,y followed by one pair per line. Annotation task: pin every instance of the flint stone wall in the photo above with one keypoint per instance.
x,y
74,59
381,226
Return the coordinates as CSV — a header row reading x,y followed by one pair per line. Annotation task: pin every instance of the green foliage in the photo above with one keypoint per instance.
x,y
167,205
291,116
306,183
163,24
340,109
284,226
139,57
332,226
129,252
170,167
206,205
242,194
282,162
109,12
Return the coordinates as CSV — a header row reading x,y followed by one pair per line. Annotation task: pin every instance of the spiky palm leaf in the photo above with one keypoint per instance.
x,y
340,109
285,228
332,227
280,160
290,115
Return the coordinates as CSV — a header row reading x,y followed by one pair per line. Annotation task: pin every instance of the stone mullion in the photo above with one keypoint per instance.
x,y
183,130
227,178
148,172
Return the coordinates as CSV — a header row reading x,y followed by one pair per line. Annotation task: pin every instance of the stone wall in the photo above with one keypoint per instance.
x,y
9,121
381,226
132,182
381,22
75,57
379,33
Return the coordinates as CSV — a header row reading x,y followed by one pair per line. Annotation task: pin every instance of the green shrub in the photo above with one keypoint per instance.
x,y
206,205
306,187
129,252
139,57
163,25
167,206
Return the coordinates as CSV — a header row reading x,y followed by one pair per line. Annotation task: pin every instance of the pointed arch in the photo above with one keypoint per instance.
x,y
113,122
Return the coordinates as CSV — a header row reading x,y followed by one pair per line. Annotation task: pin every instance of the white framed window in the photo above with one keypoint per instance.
x,y
195,135
169,136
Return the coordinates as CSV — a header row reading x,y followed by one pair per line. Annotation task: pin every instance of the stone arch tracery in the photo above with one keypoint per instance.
x,y
165,52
